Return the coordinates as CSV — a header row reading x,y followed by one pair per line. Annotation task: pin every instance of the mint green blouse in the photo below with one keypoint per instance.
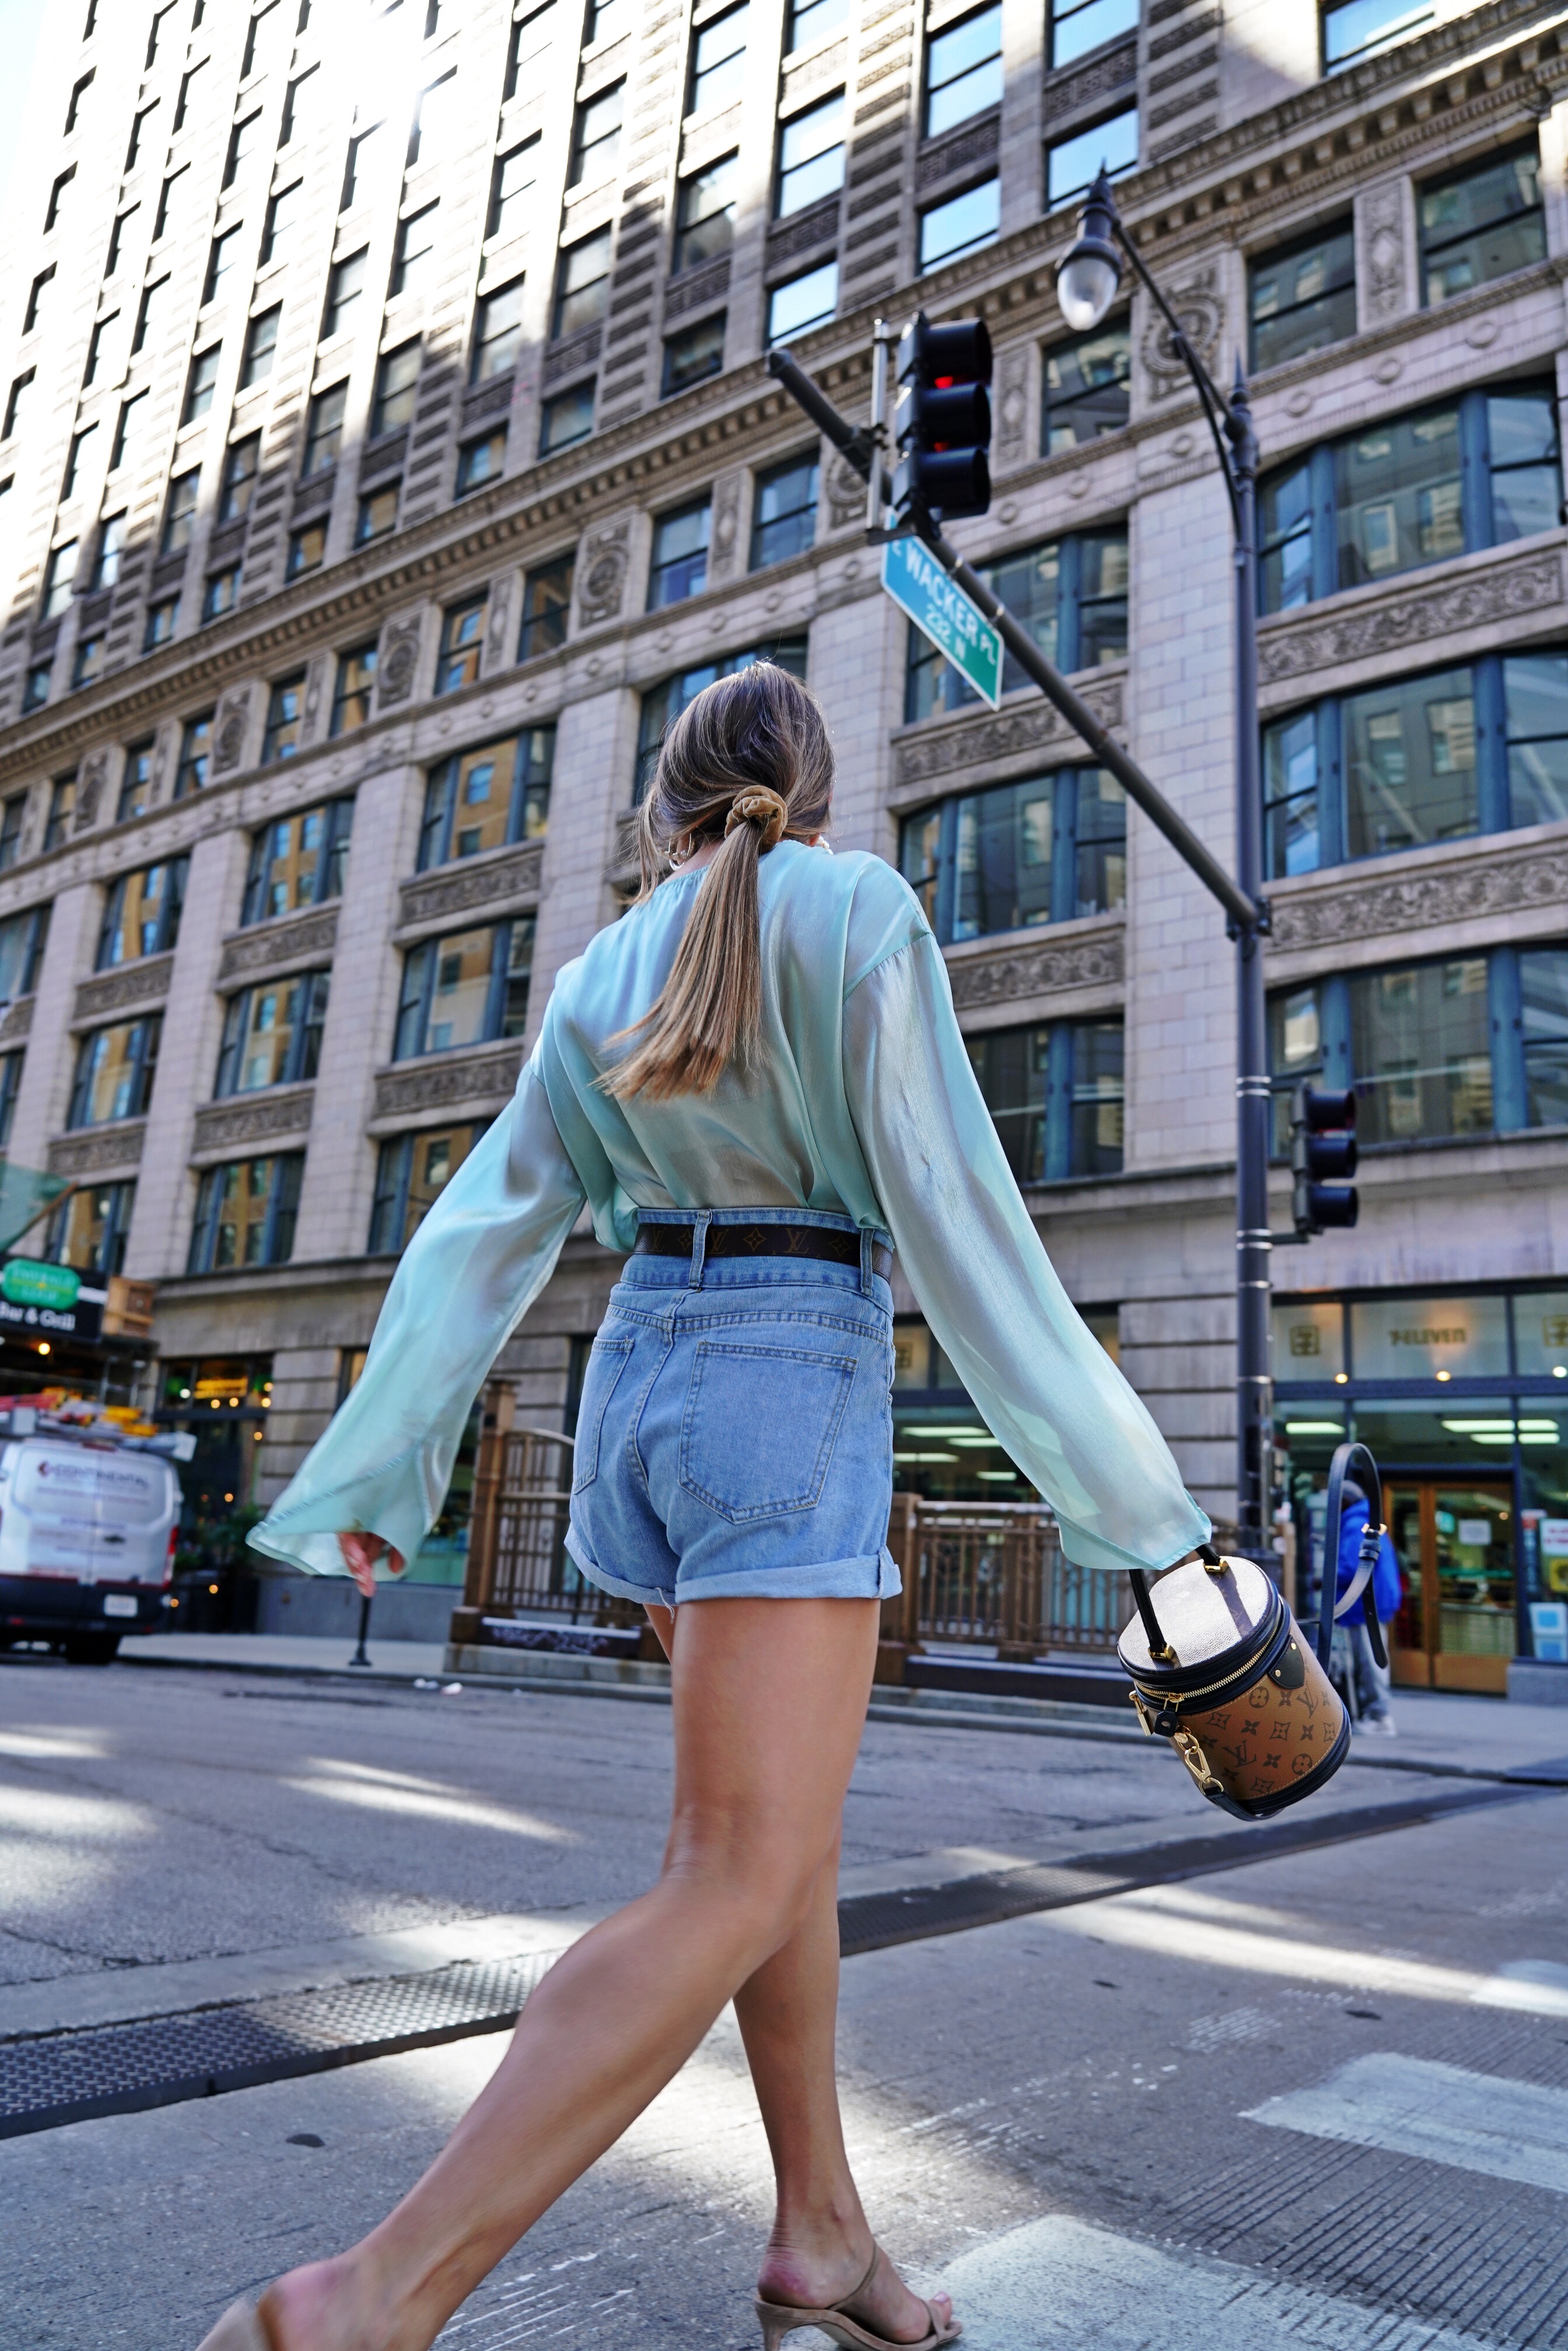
x,y
862,1100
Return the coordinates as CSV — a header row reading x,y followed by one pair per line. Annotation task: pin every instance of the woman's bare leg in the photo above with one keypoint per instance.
x,y
769,1697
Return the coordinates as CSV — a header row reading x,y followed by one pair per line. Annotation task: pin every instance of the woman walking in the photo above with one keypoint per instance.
x,y
756,1082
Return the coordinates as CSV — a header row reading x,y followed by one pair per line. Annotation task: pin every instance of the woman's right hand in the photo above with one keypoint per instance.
x,y
360,1553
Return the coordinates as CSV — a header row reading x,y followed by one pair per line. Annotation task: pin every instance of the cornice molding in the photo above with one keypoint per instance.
x,y
1531,878
480,1080
1389,619
506,879
105,1149
296,938
145,982
987,740
1013,970
227,1126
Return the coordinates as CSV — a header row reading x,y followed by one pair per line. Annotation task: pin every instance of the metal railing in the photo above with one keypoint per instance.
x,y
518,1559
993,1573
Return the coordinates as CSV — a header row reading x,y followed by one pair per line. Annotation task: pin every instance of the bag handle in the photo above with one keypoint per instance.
x,y
1372,1535
1160,1648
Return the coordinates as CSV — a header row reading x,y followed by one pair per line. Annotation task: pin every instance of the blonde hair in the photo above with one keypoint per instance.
x,y
747,763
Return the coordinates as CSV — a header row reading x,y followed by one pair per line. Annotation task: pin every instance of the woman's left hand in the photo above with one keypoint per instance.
x,y
360,1553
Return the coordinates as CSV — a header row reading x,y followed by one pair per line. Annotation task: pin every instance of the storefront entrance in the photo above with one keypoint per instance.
x,y
1456,1628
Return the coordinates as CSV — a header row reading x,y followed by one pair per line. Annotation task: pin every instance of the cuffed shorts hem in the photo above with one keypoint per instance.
x,y
873,1576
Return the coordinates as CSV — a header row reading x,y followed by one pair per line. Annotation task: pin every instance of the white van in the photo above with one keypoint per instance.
x,y
87,1529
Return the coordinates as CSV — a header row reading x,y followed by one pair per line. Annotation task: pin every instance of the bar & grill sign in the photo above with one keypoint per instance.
x,y
49,1299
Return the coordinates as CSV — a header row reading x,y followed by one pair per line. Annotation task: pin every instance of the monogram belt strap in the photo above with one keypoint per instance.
x,y
763,1241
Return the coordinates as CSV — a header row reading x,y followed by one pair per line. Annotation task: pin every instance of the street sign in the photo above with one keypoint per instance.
x,y
940,610
29,1282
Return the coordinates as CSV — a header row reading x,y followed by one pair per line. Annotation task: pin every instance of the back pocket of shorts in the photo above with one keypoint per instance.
x,y
760,1426
607,1360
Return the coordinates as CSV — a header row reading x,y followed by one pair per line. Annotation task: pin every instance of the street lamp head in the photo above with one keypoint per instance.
x,y
1090,271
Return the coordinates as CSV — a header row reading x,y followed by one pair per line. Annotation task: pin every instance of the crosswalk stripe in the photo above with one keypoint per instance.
x,y
1060,2282
1412,2106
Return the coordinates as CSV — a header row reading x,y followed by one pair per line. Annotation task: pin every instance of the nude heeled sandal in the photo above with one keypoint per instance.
x,y
779,2318
239,2329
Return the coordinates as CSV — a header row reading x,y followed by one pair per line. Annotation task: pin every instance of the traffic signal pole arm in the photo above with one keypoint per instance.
x,y
855,445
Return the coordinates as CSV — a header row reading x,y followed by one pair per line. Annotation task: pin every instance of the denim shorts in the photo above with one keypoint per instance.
x,y
734,1436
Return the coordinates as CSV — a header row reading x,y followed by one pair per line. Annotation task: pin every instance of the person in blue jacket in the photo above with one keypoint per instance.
x,y
1372,1680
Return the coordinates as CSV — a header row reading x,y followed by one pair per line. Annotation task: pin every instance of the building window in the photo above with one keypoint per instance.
x,y
679,565
692,355
1056,1095
147,311
260,348
1477,471
13,813
36,686
607,20
135,782
1302,296
75,462
307,550
1473,750
242,466
302,93
1481,223
718,61
220,262
961,223
433,121
567,417
784,511
325,430
172,187
90,1228
581,284
40,287
142,913
512,184
413,247
114,1072
498,333
462,641
162,620
245,1214
138,124
1087,389
200,384
547,606
531,36
964,70
810,157
344,288
62,807
803,302
596,137
88,666
377,513
1048,851
705,213
1071,597
812,20
284,718
282,219
56,196
397,379
663,703
195,767
410,1172
1079,26
272,1035
354,171
22,942
479,462
243,139
469,988
59,579
110,550
1359,28
180,513
21,386
355,685
95,347
488,798
297,860
10,1087
1071,164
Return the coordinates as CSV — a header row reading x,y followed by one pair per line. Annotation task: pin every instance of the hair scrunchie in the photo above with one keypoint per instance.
x,y
759,805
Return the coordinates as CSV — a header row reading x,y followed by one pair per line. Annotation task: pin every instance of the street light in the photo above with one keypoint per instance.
x,y
1088,276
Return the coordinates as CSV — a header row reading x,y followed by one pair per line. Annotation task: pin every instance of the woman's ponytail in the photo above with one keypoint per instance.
x,y
747,763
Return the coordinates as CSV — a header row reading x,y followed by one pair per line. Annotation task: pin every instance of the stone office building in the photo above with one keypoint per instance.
x,y
387,452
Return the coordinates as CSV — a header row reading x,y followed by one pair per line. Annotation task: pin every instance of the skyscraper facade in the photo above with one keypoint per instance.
x,y
388,455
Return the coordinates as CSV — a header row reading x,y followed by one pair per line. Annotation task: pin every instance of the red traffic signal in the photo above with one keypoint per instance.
x,y
943,425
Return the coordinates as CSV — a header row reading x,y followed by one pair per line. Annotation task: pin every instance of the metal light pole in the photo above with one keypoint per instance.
x,y
1087,282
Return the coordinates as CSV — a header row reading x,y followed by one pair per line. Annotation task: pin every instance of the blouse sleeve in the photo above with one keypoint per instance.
x,y
477,1263
1043,1382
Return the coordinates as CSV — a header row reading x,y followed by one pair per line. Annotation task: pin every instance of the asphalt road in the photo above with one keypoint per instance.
x,y
1321,2098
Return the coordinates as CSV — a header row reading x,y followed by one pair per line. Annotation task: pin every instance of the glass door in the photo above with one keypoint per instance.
x,y
1456,1625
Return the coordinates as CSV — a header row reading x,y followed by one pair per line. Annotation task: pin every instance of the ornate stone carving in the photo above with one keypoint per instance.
x,y
228,733
1380,224
725,530
1199,302
581,352
601,572
304,938
1006,975
985,738
1396,622
89,790
846,495
399,659
1484,883
801,234
480,1079
478,882
17,1020
965,149
116,1147
235,1125
1075,93
696,287
1012,404
133,983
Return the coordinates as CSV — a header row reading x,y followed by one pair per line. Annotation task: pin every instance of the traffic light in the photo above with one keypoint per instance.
x,y
941,428
1322,1154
